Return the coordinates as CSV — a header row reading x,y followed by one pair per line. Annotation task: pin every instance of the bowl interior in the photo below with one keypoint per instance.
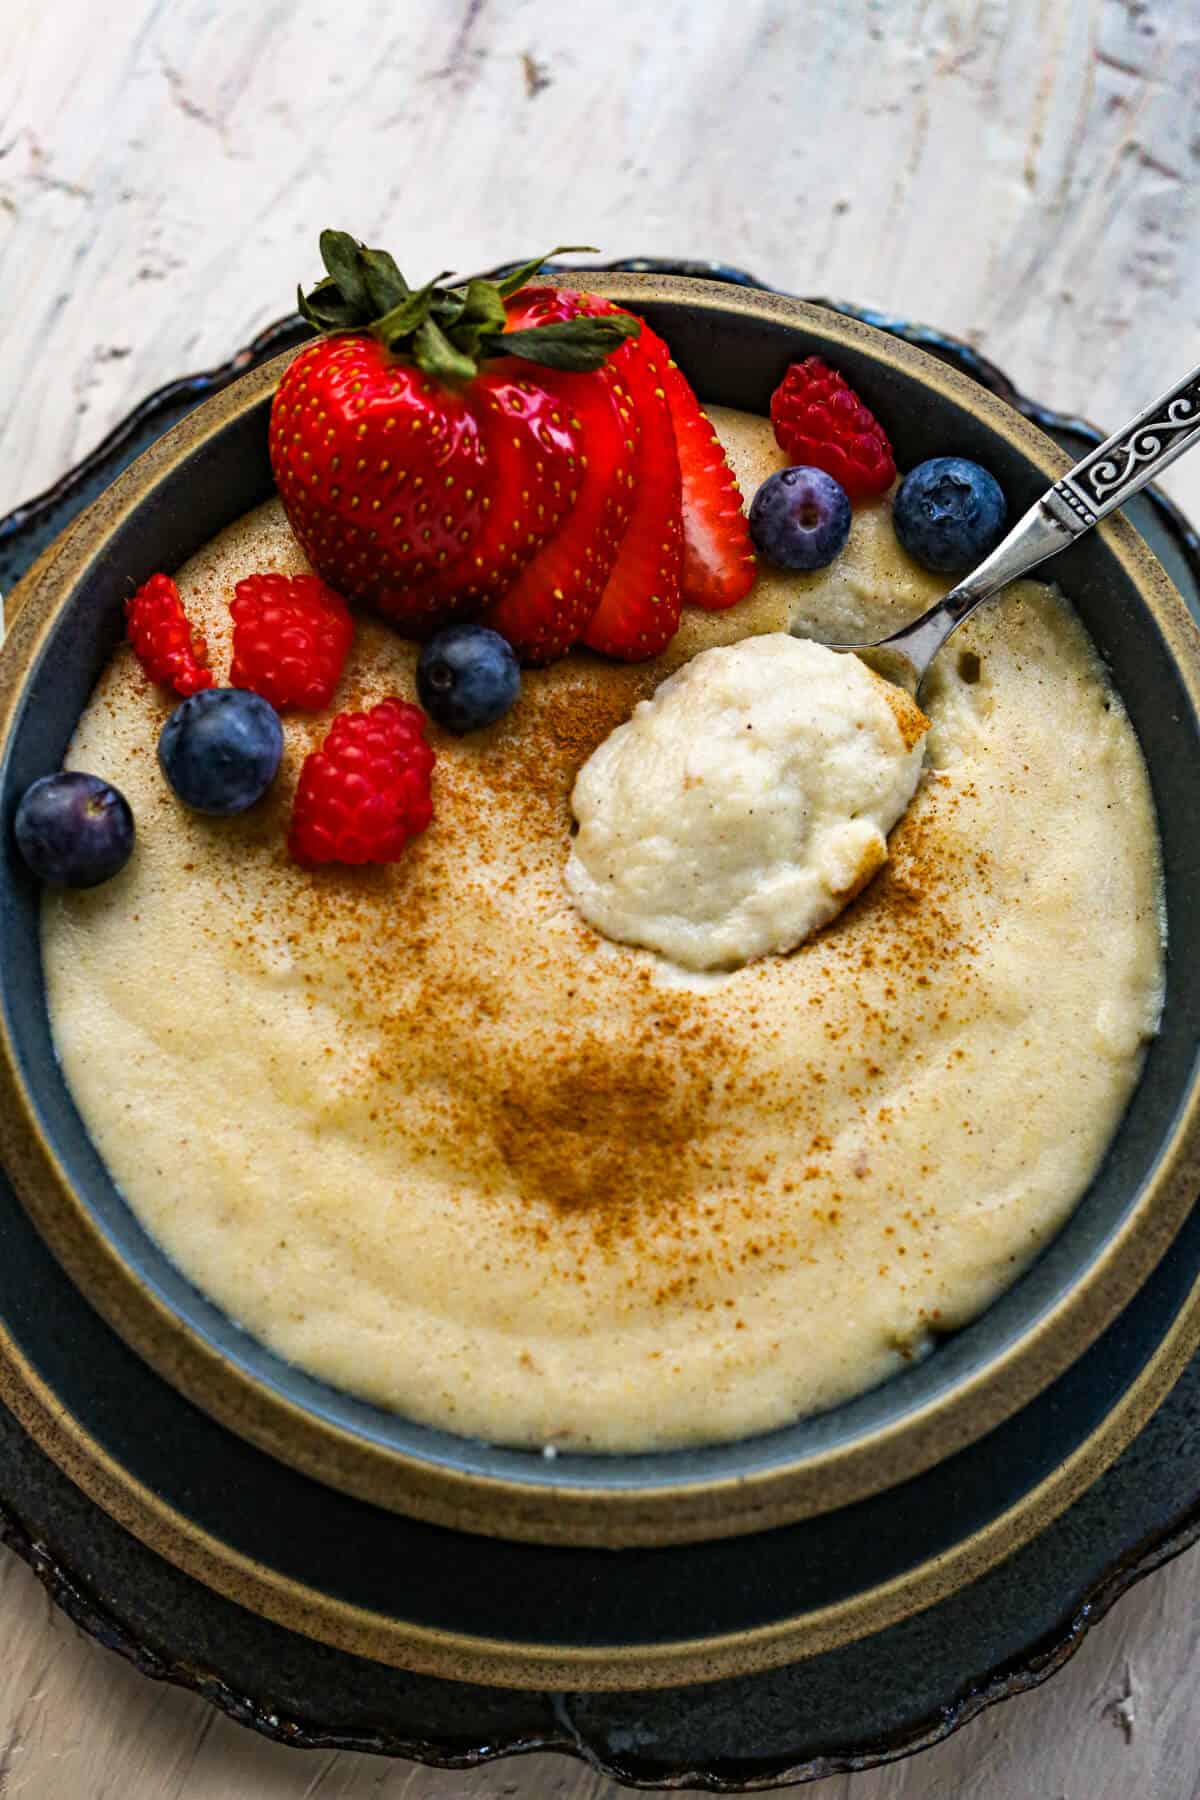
x,y
735,360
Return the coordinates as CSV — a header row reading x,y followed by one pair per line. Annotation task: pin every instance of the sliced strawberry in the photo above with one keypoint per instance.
x,y
382,470
538,453
550,603
718,557
420,460
639,609
535,460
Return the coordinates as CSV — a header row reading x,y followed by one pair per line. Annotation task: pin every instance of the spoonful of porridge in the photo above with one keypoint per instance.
x,y
749,800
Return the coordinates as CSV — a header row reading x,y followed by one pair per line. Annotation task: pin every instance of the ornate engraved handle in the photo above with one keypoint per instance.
x,y
1134,456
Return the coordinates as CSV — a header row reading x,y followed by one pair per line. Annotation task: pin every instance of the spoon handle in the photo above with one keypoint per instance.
x,y
1105,478
1125,462
1096,486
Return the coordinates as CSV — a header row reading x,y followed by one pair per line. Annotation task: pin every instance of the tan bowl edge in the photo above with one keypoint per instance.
x,y
562,1514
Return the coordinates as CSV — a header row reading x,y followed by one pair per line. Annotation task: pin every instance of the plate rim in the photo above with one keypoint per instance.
x,y
1039,1660
509,1663
674,1511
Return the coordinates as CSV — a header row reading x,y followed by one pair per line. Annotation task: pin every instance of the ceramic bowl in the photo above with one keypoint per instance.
x,y
66,618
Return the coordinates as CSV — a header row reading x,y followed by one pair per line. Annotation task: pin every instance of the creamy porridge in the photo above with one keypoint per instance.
x,y
426,1133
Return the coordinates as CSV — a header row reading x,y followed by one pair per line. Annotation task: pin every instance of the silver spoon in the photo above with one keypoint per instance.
x,y
1104,480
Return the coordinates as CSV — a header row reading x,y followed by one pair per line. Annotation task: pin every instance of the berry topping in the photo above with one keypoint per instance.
x,y
638,614
164,643
383,473
800,518
365,792
220,750
548,606
534,451
74,829
718,558
467,677
291,634
386,440
820,421
949,513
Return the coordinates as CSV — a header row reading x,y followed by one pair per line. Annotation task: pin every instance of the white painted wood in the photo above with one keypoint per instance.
x,y
1022,172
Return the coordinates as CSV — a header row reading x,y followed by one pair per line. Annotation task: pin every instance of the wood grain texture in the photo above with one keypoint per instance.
x,y
1025,173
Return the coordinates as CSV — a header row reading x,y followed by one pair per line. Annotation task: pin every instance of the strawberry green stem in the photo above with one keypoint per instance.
x,y
449,331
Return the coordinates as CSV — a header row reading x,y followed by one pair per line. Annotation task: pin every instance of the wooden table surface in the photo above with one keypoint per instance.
x,y
1024,173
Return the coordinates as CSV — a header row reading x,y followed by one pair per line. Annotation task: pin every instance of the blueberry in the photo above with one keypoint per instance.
x,y
949,513
74,829
220,749
467,677
800,518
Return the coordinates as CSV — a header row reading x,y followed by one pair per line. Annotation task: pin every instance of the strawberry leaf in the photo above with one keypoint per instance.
x,y
516,278
404,318
447,331
433,352
481,316
482,305
447,307
577,344
385,284
325,308
342,257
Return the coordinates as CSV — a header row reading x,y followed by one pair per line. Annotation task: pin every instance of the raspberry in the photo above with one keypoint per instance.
x,y
290,638
820,422
163,641
365,792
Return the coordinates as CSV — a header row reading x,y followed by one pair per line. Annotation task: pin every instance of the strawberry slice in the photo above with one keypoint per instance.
x,y
718,557
551,601
534,453
639,609
536,486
